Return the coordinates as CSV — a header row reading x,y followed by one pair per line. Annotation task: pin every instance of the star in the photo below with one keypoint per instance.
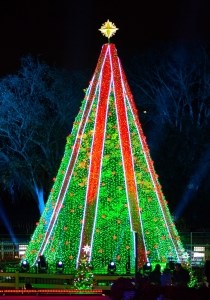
x,y
108,29
86,249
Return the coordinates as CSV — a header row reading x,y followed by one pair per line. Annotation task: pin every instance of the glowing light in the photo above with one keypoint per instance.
x,y
86,249
106,185
108,29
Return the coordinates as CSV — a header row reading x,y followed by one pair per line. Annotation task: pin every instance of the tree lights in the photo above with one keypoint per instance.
x,y
106,188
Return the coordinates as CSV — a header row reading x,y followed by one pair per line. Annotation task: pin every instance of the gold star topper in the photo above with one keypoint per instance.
x,y
108,29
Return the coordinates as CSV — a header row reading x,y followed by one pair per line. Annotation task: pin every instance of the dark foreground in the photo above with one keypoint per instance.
x,y
55,297
162,293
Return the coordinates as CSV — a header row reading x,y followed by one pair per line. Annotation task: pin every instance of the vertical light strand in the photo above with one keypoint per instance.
x,y
127,155
96,155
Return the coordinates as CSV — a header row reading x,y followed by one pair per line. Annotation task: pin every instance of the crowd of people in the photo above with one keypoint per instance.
x,y
172,282
178,276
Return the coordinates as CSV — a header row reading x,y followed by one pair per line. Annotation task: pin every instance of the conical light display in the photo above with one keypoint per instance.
x,y
106,199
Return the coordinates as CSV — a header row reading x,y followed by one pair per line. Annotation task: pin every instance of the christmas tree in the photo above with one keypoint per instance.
x,y
106,194
84,277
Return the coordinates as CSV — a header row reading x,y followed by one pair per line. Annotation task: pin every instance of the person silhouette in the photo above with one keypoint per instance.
x,y
166,276
181,276
155,275
207,271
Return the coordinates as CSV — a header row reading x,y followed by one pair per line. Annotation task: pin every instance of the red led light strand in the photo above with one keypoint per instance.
x,y
96,156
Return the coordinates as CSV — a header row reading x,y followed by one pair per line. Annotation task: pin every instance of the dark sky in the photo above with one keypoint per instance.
x,y
65,33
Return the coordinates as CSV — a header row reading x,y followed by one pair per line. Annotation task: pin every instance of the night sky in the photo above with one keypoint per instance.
x,y
65,33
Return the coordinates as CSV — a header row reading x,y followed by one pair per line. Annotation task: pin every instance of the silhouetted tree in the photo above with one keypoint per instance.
x,y
171,85
38,105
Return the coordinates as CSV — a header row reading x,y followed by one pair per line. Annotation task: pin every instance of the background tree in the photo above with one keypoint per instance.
x,y
172,88
37,105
